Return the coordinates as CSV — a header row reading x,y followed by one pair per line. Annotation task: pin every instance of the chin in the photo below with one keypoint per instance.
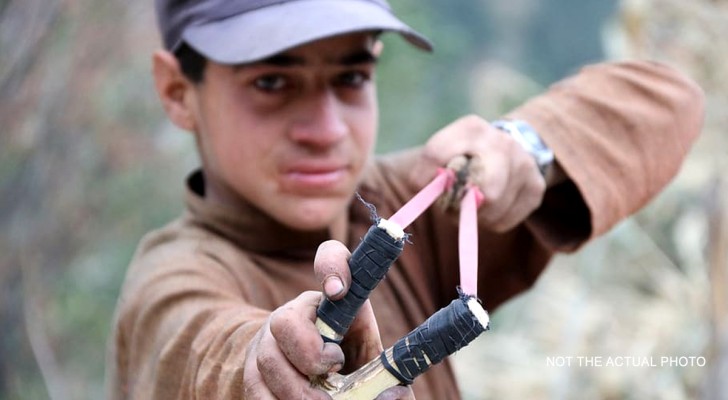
x,y
311,215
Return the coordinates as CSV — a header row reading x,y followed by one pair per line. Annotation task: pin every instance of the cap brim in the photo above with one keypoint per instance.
x,y
267,31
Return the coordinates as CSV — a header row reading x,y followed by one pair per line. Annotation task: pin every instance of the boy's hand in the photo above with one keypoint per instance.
x,y
397,393
506,174
288,349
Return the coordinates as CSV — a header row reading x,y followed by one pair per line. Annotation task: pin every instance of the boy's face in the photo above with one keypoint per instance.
x,y
290,134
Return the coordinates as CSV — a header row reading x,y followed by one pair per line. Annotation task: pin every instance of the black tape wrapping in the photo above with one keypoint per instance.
x,y
445,332
369,262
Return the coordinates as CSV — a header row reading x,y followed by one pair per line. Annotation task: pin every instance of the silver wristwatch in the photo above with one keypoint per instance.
x,y
527,137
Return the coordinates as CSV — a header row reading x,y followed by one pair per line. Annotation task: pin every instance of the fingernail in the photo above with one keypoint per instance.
x,y
333,286
335,368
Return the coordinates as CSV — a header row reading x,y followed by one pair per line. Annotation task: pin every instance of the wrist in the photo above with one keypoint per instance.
x,y
555,174
531,141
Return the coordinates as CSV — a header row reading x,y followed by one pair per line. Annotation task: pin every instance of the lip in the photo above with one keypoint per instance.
x,y
314,176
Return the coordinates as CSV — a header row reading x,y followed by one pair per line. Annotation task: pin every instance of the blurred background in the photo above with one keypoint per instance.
x,y
88,163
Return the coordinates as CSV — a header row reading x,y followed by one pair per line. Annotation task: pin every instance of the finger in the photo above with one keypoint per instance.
x,y
494,179
299,341
397,393
362,343
282,379
254,386
528,199
526,189
507,169
465,136
331,267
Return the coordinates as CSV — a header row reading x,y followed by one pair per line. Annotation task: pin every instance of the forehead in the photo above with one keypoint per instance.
x,y
347,49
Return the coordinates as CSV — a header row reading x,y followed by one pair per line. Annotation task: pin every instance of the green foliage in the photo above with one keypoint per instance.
x,y
406,85
420,92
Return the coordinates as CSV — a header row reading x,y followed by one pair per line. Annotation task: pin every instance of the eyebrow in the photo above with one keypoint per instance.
x,y
359,57
288,60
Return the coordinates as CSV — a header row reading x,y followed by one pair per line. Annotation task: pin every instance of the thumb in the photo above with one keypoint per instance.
x,y
331,268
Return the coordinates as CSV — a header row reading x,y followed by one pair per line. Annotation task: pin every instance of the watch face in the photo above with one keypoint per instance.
x,y
530,140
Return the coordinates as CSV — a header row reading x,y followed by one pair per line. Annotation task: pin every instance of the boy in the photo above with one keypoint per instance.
x,y
280,98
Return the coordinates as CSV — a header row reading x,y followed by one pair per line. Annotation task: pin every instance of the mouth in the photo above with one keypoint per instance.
x,y
315,178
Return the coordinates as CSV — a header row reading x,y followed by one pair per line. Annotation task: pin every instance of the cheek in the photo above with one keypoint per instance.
x,y
242,147
239,134
367,139
365,126
246,150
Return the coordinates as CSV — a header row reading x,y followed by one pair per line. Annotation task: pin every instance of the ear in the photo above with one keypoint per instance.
x,y
377,48
174,90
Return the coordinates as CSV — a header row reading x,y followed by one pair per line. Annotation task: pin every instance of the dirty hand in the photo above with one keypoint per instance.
x,y
288,349
505,173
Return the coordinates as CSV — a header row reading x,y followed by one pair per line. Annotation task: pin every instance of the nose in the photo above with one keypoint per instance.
x,y
321,122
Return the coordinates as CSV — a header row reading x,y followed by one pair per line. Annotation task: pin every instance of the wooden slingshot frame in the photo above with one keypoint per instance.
x,y
441,335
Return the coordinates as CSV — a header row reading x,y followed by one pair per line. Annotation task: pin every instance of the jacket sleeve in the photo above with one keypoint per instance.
x,y
182,328
620,131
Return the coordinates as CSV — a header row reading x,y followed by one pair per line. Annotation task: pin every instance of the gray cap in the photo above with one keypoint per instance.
x,y
240,31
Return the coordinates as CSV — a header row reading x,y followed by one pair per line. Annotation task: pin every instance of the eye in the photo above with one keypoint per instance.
x,y
352,79
271,83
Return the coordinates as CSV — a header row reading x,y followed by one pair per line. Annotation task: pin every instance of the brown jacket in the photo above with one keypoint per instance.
x,y
199,288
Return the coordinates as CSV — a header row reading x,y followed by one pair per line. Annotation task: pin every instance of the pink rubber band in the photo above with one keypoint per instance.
x,y
468,231
424,199
468,241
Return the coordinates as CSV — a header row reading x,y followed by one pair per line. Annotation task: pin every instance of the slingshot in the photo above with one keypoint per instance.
x,y
441,335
